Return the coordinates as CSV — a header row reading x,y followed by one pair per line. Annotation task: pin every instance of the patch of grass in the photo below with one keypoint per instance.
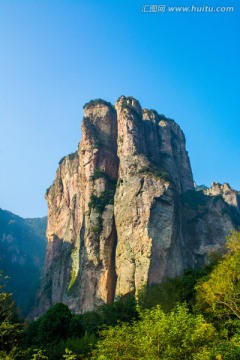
x,y
47,191
61,160
120,139
129,106
97,229
99,202
97,102
70,157
72,286
100,174
156,173
73,278
60,184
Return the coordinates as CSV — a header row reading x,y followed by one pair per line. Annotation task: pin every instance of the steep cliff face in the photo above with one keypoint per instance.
x,y
123,211
153,165
79,268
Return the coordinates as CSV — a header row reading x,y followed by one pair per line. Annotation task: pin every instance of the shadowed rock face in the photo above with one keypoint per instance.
x,y
123,211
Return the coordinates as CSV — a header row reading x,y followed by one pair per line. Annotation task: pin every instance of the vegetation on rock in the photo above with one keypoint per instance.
x,y
70,157
100,174
99,202
156,173
194,199
218,295
97,102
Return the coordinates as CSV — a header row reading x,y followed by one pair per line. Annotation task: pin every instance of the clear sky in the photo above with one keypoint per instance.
x,y
57,55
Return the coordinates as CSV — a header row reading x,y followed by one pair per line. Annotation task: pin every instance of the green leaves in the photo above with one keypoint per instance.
x,y
59,330
219,294
182,328
10,328
99,202
51,327
157,335
69,355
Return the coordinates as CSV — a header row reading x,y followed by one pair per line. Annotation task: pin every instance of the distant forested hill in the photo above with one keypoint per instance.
x,y
22,252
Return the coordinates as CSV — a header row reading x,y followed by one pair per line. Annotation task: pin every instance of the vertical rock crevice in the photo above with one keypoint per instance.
x,y
112,276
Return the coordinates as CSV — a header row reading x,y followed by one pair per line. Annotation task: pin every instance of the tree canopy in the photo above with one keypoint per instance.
x,y
195,316
219,293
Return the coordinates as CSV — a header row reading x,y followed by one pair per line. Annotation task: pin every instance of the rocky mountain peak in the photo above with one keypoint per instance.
x,y
123,212
129,102
230,195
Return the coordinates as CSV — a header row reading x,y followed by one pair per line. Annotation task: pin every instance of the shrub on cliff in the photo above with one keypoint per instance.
x,y
97,102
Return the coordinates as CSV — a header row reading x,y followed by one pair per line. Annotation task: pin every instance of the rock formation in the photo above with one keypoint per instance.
x,y
123,211
231,196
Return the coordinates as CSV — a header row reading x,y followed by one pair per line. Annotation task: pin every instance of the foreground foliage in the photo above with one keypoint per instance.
x,y
195,316
219,294
59,329
157,335
210,331
10,326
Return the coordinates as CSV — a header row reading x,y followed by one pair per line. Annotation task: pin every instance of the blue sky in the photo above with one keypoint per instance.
x,y
57,55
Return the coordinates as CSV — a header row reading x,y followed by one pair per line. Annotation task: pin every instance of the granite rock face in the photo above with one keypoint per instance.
x,y
123,211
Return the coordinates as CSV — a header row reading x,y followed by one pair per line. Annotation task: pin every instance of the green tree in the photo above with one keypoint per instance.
x,y
39,354
218,295
81,346
52,326
157,335
10,328
171,291
177,290
123,309
69,355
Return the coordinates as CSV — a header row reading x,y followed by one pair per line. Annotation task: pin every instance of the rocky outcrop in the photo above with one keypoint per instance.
x,y
123,211
231,196
152,163
79,268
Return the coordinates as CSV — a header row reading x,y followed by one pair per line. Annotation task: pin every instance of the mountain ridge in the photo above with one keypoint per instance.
x,y
22,249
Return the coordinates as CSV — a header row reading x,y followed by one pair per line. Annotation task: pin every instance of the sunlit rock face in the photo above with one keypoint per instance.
x,y
123,212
